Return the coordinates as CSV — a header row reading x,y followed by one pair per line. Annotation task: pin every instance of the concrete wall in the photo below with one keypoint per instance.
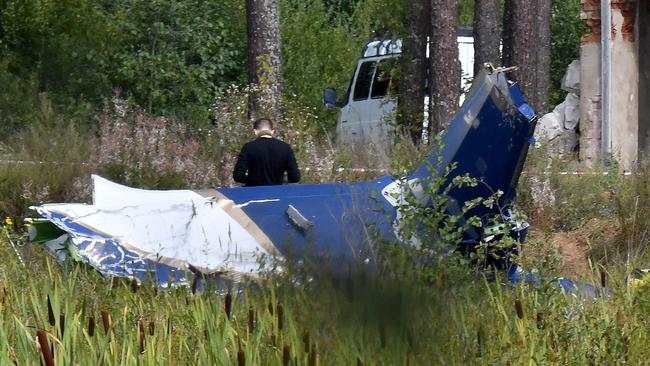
x,y
625,92
630,87
644,76
590,87
590,92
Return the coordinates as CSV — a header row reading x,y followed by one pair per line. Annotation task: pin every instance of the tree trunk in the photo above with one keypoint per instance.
x,y
413,65
506,35
444,75
526,44
543,53
487,32
264,59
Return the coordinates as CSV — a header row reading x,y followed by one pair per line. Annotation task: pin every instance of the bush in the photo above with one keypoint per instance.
x,y
566,30
136,149
172,57
169,56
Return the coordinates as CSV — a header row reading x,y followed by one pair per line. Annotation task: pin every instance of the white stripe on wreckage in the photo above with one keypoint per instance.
x,y
236,213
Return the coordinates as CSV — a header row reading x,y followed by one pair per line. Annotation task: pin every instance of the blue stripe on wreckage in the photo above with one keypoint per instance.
x,y
112,258
487,139
345,218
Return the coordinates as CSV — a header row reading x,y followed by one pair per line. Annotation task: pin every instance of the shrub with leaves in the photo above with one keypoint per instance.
x,y
429,229
139,150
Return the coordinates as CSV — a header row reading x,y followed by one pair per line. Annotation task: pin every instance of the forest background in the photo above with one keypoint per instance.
x,y
173,58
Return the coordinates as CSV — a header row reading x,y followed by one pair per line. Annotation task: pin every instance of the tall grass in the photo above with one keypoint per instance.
x,y
368,319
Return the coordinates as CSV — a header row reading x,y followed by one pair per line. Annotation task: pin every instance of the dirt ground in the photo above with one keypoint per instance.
x,y
573,252
570,251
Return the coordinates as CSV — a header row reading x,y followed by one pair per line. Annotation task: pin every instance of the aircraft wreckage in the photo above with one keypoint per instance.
x,y
170,236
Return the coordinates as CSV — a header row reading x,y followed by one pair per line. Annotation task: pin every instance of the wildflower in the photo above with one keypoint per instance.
x,y
9,221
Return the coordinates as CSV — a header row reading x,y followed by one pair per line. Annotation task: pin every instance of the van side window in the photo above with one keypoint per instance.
x,y
383,79
364,78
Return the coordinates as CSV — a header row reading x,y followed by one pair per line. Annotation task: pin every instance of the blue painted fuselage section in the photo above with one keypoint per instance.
x,y
487,140
345,217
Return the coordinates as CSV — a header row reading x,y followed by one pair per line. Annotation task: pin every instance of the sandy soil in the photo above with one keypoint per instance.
x,y
570,249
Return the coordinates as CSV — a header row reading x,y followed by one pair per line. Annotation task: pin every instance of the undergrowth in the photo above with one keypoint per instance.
x,y
367,319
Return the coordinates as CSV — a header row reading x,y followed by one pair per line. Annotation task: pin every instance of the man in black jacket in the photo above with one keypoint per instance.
x,y
263,161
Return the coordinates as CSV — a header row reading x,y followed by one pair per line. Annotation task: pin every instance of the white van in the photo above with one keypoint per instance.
x,y
368,108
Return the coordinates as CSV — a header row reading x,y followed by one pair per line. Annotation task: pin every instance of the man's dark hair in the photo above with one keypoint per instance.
x,y
263,123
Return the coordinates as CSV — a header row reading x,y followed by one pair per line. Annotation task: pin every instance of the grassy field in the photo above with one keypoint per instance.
x,y
448,315
78,318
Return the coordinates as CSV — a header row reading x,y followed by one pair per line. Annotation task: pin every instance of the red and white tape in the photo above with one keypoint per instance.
x,y
577,173
354,170
34,162
307,169
595,174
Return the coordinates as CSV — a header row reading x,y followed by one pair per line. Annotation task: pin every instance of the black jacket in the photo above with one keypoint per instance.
x,y
263,161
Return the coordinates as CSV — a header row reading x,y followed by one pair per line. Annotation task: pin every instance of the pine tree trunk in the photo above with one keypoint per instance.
x,y
413,69
526,44
506,36
444,80
543,52
264,59
487,33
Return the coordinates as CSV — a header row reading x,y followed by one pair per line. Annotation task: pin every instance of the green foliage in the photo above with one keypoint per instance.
x,y
60,42
566,31
50,156
466,13
319,51
17,100
49,46
320,45
430,225
169,56
172,56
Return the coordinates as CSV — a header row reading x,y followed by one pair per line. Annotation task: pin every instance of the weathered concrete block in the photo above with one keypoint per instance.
x,y
565,143
571,79
571,111
551,125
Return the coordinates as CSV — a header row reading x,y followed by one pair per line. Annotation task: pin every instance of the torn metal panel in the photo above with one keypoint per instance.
x,y
165,234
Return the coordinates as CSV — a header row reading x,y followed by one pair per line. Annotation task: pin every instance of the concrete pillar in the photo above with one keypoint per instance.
x,y
625,106
644,76
624,83
590,85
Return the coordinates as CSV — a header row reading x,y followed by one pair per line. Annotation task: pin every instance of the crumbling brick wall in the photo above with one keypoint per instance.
x,y
624,78
590,87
